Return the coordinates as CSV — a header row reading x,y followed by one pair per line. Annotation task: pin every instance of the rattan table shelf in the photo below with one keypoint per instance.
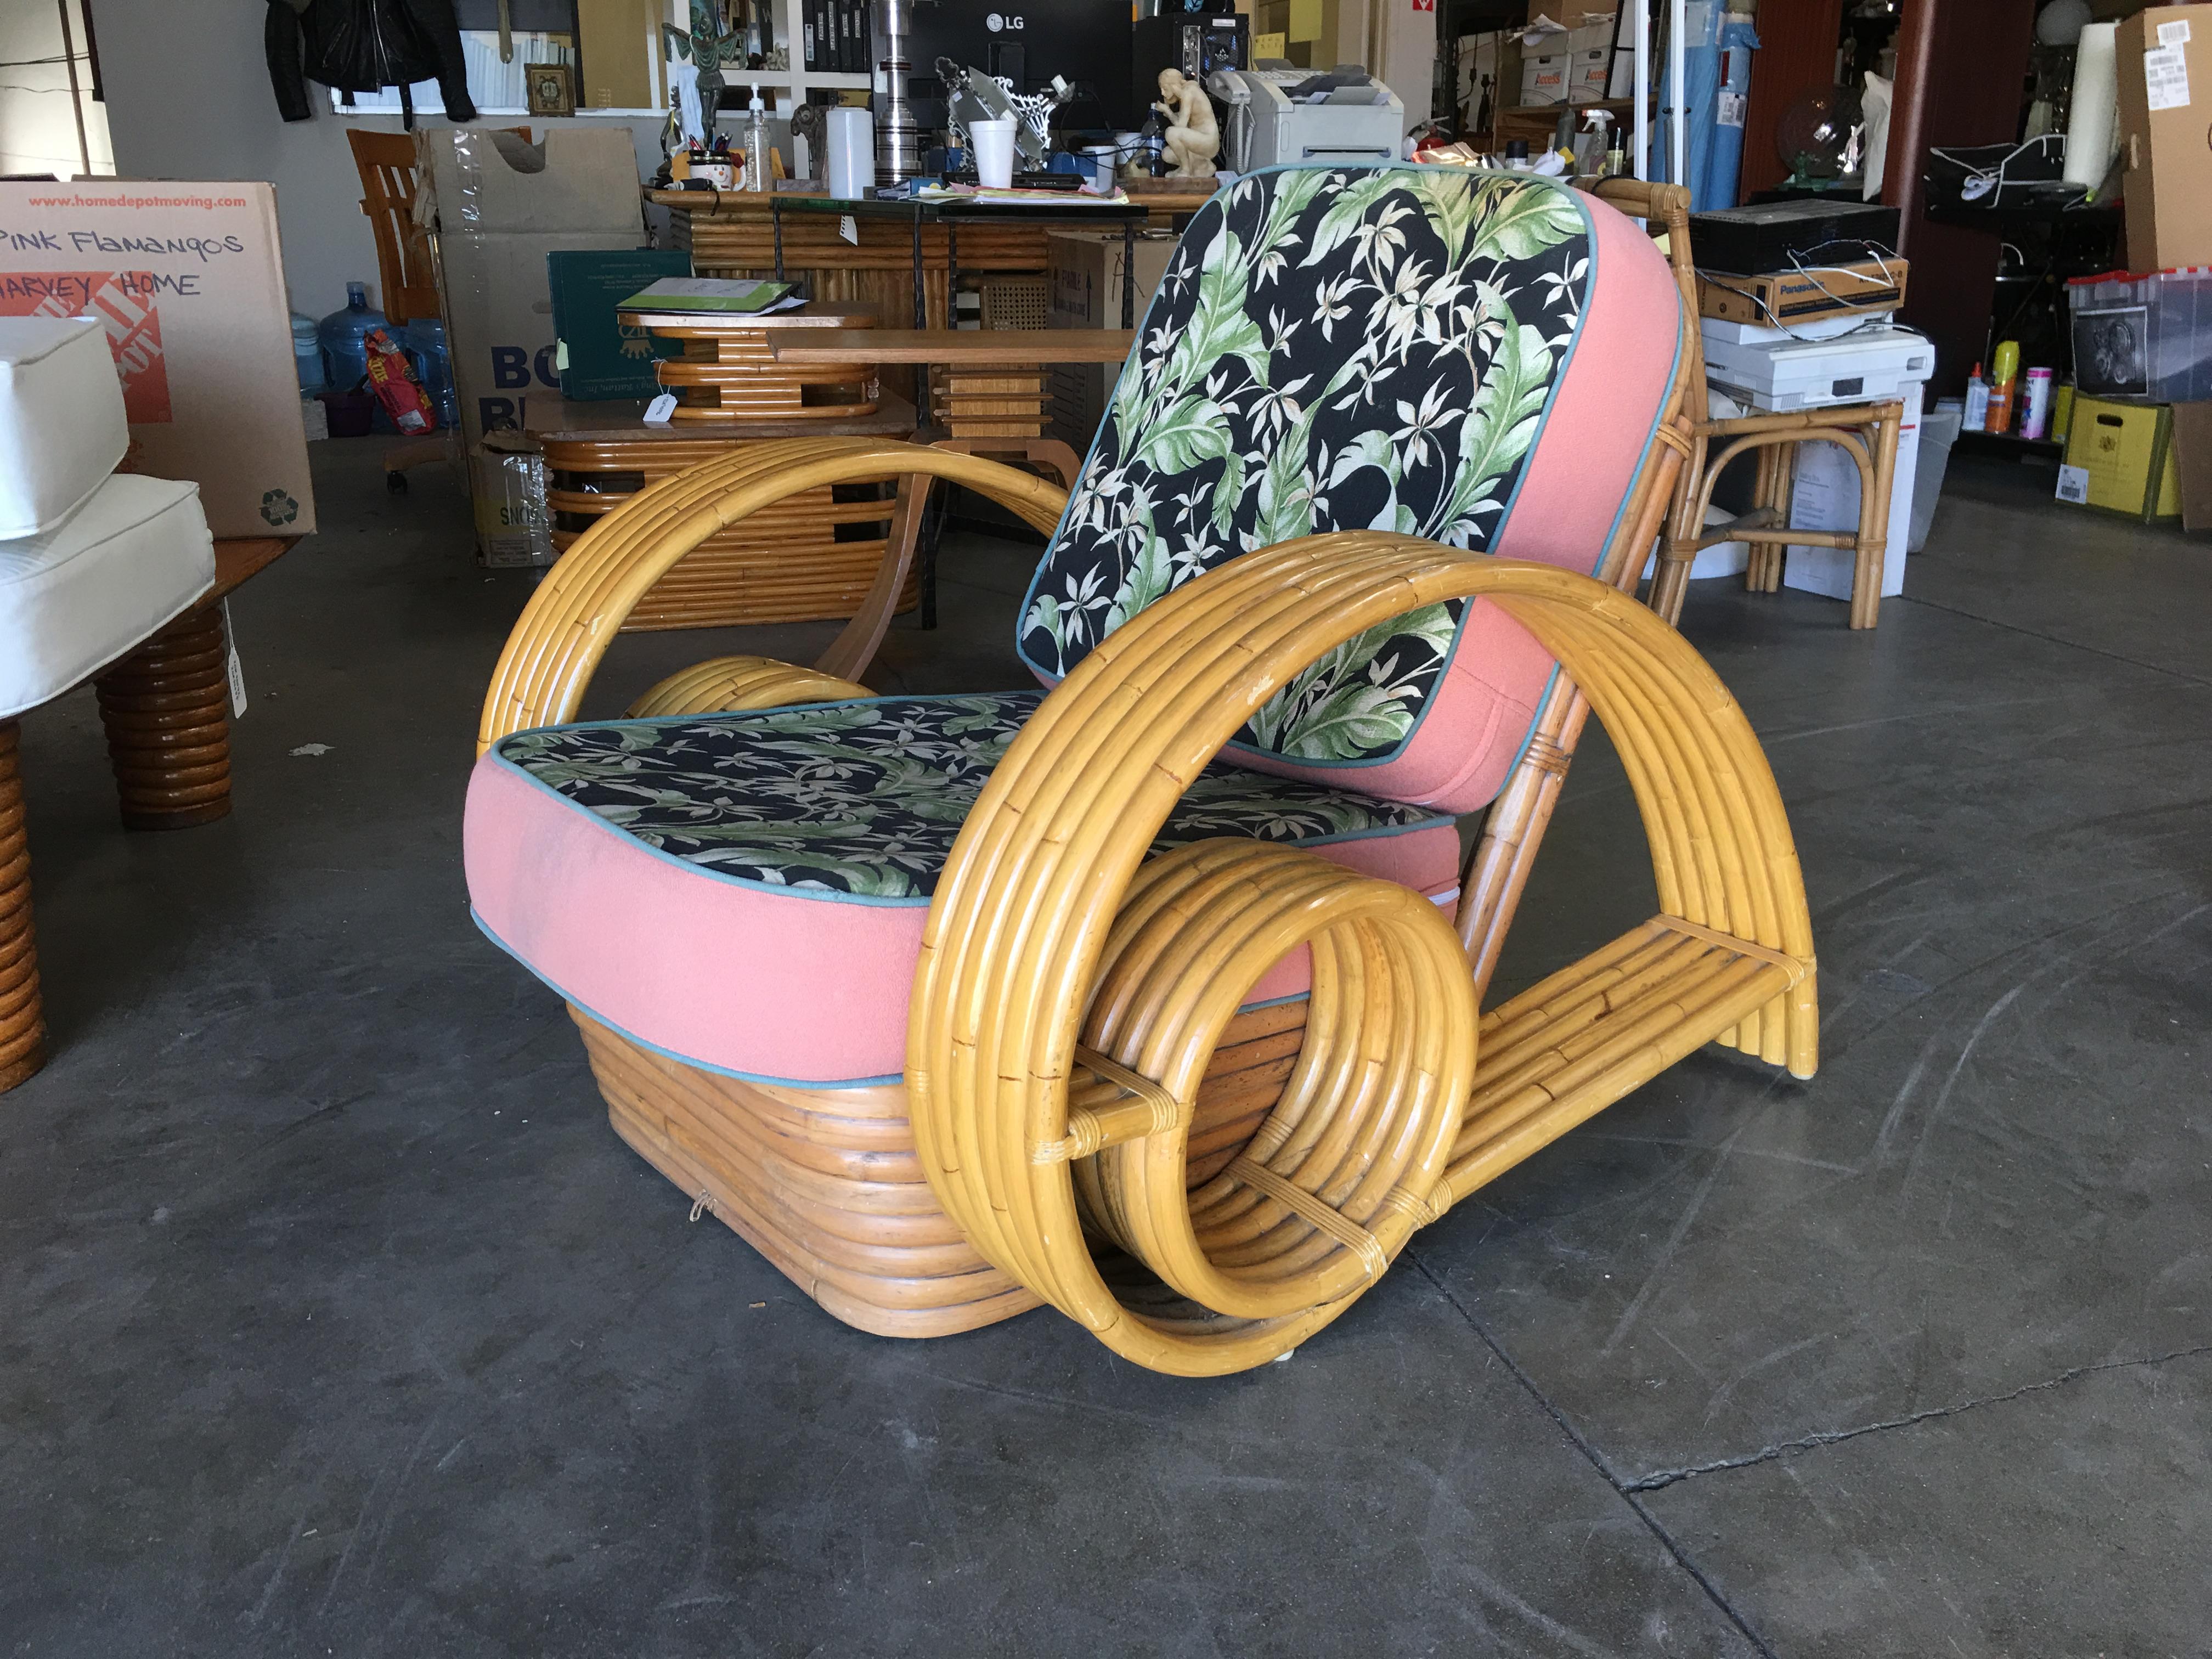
x,y
812,557
728,370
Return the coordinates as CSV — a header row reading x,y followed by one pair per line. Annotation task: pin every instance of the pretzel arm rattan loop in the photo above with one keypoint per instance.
x,y
1009,977
1325,1192
575,612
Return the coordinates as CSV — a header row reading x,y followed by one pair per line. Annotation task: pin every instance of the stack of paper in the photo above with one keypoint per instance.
x,y
714,294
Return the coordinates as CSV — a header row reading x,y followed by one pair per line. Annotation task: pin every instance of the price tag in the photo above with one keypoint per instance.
x,y
661,410
237,668
2074,485
849,228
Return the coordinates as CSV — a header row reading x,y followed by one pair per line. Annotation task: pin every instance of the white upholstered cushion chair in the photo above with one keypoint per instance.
x,y
92,565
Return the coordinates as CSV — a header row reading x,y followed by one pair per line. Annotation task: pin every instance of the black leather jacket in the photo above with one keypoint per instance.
x,y
361,46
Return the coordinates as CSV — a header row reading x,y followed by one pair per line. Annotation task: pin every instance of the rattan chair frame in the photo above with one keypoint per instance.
x,y
1096,1123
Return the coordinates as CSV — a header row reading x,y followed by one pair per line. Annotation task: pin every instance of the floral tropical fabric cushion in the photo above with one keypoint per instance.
x,y
1331,348
747,892
865,799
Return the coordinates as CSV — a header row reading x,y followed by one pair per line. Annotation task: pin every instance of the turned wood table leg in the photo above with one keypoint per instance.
x,y
165,709
22,1026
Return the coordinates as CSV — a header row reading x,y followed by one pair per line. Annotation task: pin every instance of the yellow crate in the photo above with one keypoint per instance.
x,y
2125,452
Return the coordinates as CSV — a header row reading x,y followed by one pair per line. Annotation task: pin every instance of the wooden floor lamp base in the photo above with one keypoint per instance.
x,y
166,710
22,1025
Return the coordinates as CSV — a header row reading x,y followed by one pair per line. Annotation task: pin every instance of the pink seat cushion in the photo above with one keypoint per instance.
x,y
747,892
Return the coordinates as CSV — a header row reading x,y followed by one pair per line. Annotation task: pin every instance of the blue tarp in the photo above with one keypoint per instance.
x,y
1717,50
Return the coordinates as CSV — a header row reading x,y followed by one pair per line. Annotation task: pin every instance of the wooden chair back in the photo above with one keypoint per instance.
x,y
385,161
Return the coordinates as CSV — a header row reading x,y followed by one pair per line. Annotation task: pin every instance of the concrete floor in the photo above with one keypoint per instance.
x,y
333,1318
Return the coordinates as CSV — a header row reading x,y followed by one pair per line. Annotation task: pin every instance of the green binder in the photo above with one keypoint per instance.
x,y
597,358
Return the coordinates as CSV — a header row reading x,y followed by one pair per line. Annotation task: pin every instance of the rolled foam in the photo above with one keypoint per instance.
x,y
2092,128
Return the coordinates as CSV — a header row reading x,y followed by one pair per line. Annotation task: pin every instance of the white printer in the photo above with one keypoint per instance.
x,y
1861,366
1267,127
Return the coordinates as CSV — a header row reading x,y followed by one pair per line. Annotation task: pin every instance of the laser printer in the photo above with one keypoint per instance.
x,y
1279,117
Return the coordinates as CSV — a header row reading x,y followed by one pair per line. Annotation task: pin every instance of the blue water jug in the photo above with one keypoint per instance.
x,y
306,353
345,338
424,341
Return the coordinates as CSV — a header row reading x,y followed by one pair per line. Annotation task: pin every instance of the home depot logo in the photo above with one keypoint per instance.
x,y
123,301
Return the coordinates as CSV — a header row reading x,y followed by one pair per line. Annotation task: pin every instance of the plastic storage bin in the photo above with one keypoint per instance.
x,y
1939,430
2144,336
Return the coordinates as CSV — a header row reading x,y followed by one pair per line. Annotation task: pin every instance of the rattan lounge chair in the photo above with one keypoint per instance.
x,y
1155,996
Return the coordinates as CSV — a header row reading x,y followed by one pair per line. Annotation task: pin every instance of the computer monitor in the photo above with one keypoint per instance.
x,y
1087,42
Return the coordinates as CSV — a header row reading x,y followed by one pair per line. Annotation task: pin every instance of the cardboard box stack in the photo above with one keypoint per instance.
x,y
1571,62
2154,338
2166,107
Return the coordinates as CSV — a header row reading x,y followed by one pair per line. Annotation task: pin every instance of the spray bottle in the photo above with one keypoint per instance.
x,y
757,167
1591,149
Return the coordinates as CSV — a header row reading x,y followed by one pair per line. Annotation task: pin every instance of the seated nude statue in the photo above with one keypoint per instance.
x,y
1193,139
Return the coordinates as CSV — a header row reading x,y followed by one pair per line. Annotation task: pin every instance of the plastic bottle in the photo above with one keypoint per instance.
x,y
344,336
306,353
2035,411
1590,148
757,168
1978,401
424,341
2004,375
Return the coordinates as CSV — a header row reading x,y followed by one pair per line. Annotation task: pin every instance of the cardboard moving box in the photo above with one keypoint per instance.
x,y
2192,464
501,206
1083,283
2166,116
1829,291
188,280
1544,79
